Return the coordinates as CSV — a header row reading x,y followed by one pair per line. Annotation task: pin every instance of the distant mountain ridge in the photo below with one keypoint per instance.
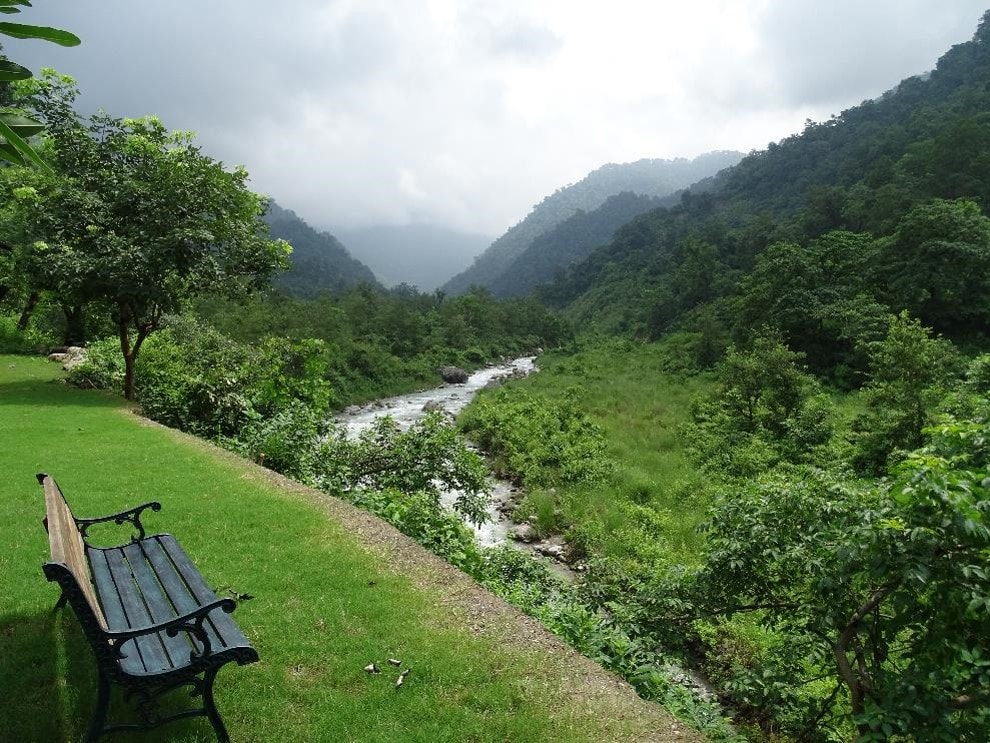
x,y
422,255
570,242
653,178
320,262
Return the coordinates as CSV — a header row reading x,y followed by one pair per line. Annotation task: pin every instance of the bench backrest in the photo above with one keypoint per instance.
x,y
68,548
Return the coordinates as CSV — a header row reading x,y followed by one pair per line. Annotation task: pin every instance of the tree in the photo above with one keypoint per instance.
x,y
885,588
908,372
139,219
937,266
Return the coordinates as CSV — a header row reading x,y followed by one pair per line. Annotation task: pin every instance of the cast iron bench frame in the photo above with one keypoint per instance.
x,y
152,622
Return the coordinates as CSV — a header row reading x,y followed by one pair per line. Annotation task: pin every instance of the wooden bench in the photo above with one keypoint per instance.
x,y
153,623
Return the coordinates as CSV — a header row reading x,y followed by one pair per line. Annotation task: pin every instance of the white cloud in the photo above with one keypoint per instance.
x,y
467,113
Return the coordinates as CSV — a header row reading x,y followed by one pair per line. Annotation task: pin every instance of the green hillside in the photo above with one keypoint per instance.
x,y
319,262
862,171
645,177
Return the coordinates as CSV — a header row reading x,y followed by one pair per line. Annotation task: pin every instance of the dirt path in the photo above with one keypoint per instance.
x,y
470,605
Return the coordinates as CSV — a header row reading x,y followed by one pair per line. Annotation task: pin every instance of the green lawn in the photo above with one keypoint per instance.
x,y
325,603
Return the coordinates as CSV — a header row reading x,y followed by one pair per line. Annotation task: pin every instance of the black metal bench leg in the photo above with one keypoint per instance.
x,y
211,706
100,715
60,603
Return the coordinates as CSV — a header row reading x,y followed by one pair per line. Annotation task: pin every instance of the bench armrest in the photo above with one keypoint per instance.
x,y
191,622
132,515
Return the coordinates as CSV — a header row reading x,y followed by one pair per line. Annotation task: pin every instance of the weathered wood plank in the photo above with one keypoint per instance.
x,y
67,546
223,625
176,588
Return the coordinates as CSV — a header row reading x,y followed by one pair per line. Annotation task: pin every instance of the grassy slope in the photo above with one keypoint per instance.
x,y
623,387
326,604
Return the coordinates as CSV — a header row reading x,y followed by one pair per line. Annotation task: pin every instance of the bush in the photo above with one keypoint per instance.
x,y
543,442
417,515
103,368
14,340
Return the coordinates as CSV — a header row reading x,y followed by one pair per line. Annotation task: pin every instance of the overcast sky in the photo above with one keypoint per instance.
x,y
466,113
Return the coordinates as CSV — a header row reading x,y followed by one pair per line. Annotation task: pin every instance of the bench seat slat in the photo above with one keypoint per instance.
x,y
161,609
113,610
228,633
150,648
175,587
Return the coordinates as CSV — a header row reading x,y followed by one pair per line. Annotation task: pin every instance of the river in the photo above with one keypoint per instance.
x,y
405,410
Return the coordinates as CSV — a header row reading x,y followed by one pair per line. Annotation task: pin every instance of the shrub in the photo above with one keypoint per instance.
x,y
543,442
103,368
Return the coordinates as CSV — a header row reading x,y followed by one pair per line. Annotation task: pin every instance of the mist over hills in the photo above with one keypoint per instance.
x,y
654,178
320,262
422,255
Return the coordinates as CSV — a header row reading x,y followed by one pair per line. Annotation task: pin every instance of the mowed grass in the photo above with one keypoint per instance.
x,y
623,387
324,605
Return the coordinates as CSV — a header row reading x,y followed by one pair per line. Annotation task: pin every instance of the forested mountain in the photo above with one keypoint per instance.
x,y
869,171
645,177
569,242
320,263
421,255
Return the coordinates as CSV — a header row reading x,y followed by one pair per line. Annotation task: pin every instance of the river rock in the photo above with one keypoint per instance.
x,y
524,533
551,550
58,358
435,406
453,374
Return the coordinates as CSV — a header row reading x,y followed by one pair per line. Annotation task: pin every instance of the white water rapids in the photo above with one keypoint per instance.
x,y
405,410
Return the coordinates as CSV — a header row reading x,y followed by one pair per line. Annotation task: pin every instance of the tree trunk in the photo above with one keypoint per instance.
x,y
28,311
124,317
75,325
125,349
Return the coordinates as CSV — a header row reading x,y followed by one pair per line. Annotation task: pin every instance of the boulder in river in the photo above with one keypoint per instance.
x,y
525,533
453,374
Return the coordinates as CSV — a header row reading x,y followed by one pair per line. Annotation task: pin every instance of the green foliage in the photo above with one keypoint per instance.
x,y
102,369
937,266
883,587
382,343
543,443
14,127
416,515
765,410
909,371
15,340
286,441
136,219
429,458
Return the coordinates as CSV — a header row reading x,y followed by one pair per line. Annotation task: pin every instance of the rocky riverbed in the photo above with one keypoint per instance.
x,y
451,398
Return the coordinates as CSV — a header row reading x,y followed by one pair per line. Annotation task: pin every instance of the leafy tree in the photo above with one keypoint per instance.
x,y
764,409
909,371
139,219
937,266
885,588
